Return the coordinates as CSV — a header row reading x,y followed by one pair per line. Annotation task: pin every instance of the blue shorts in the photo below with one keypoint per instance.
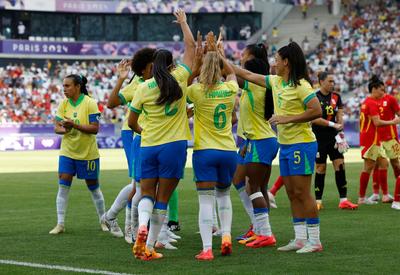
x,y
297,159
239,159
164,161
136,169
84,169
127,136
261,150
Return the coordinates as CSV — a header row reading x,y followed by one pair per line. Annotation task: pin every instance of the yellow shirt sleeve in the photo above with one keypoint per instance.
x,y
137,101
305,92
181,73
232,86
60,111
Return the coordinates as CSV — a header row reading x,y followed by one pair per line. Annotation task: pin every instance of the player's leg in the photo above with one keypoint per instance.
x,y
274,189
320,171
173,213
370,155
383,164
375,184
66,171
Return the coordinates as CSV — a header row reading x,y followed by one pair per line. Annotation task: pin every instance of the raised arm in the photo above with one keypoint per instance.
x,y
198,59
123,69
258,79
188,39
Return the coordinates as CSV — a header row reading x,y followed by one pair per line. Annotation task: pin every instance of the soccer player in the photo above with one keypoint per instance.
x,y
77,120
295,105
325,130
214,151
260,148
372,150
141,65
388,109
165,133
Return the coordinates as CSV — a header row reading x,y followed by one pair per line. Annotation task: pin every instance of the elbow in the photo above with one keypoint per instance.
x,y
317,114
131,125
110,105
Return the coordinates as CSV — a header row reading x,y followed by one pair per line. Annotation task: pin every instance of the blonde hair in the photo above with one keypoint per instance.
x,y
210,72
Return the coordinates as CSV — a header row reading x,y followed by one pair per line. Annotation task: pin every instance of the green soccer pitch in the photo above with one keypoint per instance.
x,y
362,241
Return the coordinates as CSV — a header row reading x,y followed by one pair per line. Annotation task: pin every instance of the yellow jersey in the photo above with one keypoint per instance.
x,y
126,95
162,123
76,144
213,115
288,101
252,123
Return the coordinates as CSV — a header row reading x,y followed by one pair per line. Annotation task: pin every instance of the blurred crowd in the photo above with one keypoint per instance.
x,y
366,41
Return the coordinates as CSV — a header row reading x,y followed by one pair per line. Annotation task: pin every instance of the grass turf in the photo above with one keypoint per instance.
x,y
362,241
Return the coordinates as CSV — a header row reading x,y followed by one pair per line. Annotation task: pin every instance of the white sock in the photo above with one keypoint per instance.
x,y
98,200
224,210
206,208
313,230
262,225
128,212
119,202
134,209
215,215
248,206
343,199
62,202
163,236
300,229
156,222
145,209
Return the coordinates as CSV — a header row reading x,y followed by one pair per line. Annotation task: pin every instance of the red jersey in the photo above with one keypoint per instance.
x,y
388,108
368,131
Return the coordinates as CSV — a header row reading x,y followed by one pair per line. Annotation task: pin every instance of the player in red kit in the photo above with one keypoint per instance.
x,y
372,150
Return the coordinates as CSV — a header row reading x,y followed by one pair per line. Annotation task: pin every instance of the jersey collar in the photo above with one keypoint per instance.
x,y
78,101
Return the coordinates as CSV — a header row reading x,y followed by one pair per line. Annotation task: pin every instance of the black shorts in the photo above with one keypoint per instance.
x,y
326,146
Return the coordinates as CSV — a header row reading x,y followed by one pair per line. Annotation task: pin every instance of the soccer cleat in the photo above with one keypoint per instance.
x,y
172,235
140,243
150,255
170,240
112,226
246,235
348,205
226,245
128,234
387,198
57,230
374,197
165,246
320,206
293,245
396,205
104,227
366,201
174,226
262,241
248,240
205,255
309,248
272,202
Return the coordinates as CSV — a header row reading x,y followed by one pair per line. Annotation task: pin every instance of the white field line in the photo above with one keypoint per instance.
x,y
61,267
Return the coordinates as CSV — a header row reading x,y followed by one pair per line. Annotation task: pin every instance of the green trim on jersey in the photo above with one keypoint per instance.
x,y
307,168
308,98
135,110
255,157
58,118
122,98
267,84
186,67
78,101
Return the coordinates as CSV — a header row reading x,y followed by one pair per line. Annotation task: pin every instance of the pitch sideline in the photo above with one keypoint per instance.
x,y
61,267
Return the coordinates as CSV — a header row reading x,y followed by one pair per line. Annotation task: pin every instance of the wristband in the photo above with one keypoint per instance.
x,y
331,124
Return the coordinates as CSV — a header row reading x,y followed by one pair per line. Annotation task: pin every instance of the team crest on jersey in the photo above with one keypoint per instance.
x,y
384,103
333,101
75,114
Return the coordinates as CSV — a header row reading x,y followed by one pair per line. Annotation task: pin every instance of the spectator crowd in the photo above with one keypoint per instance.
x,y
366,41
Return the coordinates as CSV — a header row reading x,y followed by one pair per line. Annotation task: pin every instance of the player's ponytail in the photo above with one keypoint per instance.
x,y
260,65
210,72
297,63
81,81
170,90
374,82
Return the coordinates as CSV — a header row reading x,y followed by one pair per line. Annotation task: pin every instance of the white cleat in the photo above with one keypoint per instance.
x,y
272,202
112,226
104,227
310,248
366,201
172,235
374,197
293,245
396,205
128,234
387,198
57,230
165,246
170,240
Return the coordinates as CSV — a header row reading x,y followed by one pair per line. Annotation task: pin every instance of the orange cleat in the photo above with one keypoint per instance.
x,y
226,245
205,255
139,247
246,235
262,241
320,206
249,239
348,205
150,255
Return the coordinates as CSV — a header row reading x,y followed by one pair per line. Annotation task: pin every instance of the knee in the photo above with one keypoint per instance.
x,y
320,169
